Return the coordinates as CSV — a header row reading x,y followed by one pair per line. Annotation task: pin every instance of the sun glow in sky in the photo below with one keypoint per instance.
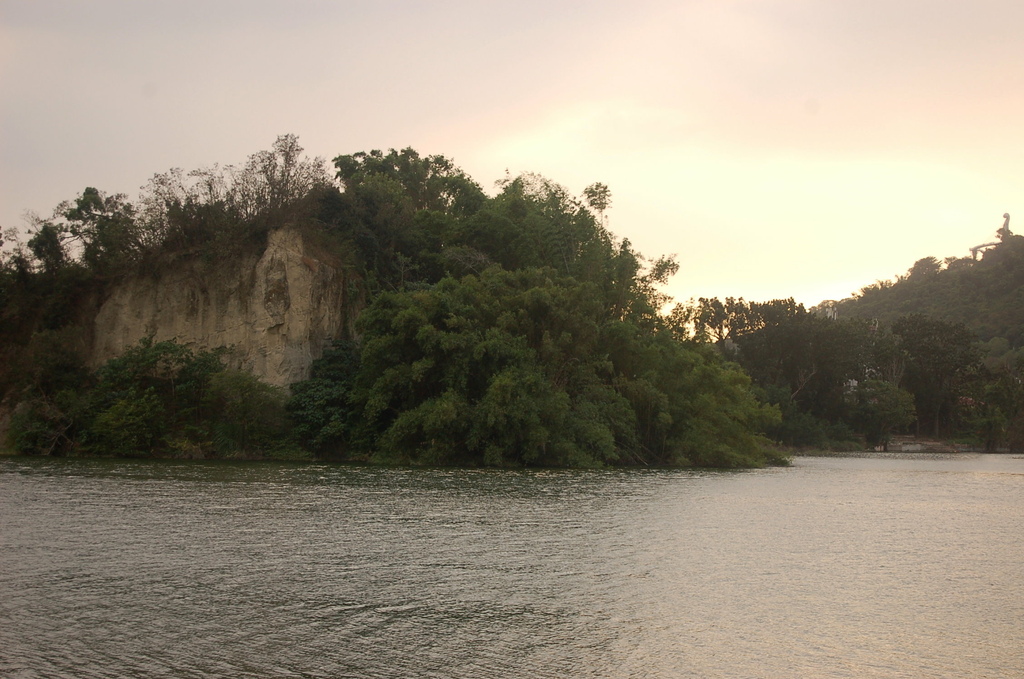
x,y
778,147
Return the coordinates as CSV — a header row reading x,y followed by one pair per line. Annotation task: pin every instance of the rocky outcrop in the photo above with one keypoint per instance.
x,y
276,311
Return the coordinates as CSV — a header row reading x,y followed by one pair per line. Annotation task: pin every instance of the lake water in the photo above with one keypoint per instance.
x,y
894,566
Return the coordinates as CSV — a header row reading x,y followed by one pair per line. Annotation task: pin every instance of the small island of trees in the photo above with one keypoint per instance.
x,y
505,330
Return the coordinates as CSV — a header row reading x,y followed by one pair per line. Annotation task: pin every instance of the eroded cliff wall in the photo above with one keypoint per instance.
x,y
277,311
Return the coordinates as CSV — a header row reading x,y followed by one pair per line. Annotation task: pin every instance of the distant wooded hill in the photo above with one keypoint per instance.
x,y
986,295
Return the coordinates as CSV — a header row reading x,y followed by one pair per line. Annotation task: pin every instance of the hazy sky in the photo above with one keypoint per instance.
x,y
779,148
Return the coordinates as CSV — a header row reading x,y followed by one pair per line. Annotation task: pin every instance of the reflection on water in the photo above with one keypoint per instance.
x,y
902,566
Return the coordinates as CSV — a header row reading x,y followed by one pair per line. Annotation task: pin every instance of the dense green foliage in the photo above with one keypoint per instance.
x,y
508,330
839,379
881,408
157,398
525,367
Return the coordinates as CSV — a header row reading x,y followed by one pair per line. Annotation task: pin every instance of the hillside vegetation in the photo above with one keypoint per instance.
x,y
986,295
937,352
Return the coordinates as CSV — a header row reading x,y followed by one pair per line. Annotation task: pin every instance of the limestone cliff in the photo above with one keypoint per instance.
x,y
277,311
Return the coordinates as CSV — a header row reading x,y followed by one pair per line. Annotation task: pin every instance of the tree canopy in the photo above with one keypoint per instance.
x,y
835,378
526,367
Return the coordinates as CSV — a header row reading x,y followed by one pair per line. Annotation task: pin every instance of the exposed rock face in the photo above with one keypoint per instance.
x,y
277,312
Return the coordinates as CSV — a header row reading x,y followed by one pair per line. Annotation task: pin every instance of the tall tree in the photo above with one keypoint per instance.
x,y
599,199
883,407
940,357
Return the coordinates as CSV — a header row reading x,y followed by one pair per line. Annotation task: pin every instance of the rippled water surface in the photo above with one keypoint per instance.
x,y
836,567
